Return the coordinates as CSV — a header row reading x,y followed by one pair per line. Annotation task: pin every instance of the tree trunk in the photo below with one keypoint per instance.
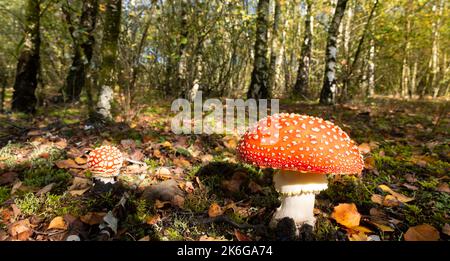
x,y
275,80
371,69
83,49
107,74
438,8
346,49
329,88
406,70
301,86
24,98
259,80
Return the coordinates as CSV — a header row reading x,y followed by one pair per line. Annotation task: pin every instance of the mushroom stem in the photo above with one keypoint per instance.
x,y
298,192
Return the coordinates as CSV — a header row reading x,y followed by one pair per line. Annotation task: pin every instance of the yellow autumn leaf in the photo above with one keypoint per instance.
x,y
347,215
400,197
57,223
215,210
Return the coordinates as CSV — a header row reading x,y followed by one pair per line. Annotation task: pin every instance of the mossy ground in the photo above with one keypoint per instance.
x,y
408,140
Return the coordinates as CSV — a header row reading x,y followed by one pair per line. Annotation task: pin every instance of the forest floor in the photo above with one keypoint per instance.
x,y
193,188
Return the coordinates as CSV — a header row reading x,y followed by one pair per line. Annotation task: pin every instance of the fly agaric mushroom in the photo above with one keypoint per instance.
x,y
303,149
105,163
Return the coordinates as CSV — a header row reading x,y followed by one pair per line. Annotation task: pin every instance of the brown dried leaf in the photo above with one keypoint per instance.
x,y
215,210
69,164
240,236
45,189
408,186
422,232
377,199
21,230
57,223
369,163
230,142
410,178
182,163
443,187
93,218
8,177
346,215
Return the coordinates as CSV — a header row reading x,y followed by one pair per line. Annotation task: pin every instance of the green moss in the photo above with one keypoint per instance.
x,y
29,204
4,194
45,175
198,201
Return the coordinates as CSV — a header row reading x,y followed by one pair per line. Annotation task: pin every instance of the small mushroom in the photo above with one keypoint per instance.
x,y
303,149
105,163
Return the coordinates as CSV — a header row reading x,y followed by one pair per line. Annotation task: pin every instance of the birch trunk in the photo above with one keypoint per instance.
x,y
329,88
301,86
259,81
277,51
107,72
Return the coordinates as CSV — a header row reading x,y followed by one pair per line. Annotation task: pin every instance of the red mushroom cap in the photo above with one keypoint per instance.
x,y
105,161
300,143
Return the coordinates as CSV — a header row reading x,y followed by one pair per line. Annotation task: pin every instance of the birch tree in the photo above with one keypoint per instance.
x,y
329,88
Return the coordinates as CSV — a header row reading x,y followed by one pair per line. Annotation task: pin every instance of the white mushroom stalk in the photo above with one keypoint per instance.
x,y
297,195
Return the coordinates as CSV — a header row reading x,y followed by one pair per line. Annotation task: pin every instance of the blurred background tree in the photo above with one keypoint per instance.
x,y
145,50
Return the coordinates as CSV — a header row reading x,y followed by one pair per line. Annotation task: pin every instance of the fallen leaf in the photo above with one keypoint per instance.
x,y
214,210
93,218
21,230
79,186
163,171
423,232
166,144
206,158
146,238
177,201
400,197
391,201
362,229
230,142
69,164
16,210
410,178
74,153
80,160
361,236
57,223
408,186
364,148
443,187
377,199
6,215
161,204
182,163
129,143
446,229
346,215
382,227
369,163
152,220
45,189
240,236
8,177
208,238
16,187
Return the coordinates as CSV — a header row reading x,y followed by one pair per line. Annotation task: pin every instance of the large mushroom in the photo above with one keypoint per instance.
x,y
105,163
303,150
